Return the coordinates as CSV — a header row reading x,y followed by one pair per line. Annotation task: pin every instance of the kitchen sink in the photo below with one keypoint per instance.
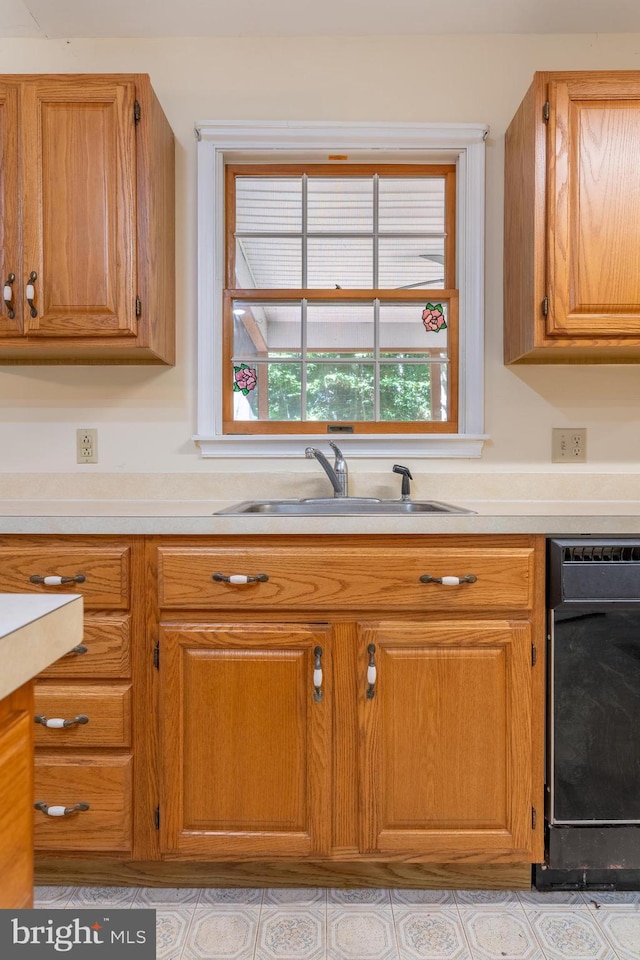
x,y
339,507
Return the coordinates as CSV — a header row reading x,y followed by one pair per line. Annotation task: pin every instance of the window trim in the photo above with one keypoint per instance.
x,y
239,141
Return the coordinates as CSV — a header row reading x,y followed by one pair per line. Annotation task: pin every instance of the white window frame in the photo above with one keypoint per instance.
x,y
283,141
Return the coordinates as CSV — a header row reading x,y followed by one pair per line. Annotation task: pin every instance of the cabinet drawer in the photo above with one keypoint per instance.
x,y
105,571
107,706
346,578
107,643
103,783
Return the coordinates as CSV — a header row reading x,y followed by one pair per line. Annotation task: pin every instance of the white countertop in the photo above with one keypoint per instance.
x,y
35,631
192,517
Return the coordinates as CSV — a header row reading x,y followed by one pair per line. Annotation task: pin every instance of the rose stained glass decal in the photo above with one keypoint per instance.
x,y
244,379
433,318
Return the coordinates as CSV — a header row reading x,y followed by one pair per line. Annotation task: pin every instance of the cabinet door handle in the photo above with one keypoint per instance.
x,y
55,581
372,673
317,674
240,578
8,295
58,723
59,811
31,293
448,581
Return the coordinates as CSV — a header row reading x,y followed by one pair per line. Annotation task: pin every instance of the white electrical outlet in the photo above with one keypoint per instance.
x,y
86,445
568,444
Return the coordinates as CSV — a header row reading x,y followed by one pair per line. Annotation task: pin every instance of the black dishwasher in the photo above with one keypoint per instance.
x,y
593,716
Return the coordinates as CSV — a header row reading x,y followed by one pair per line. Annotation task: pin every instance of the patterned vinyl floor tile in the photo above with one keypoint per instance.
x,y
158,897
428,932
499,932
361,933
53,897
292,932
570,933
172,927
120,897
315,923
223,932
621,927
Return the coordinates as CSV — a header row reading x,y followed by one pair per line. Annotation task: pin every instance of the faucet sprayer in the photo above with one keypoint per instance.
x,y
406,477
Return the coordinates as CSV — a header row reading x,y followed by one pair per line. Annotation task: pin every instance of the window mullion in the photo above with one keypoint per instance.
x,y
376,359
376,230
376,302
305,223
303,347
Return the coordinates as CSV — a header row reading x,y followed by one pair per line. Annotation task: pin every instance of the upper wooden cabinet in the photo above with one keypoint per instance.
x,y
86,221
572,221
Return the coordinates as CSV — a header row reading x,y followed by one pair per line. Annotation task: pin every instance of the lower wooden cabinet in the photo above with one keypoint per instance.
x,y
245,740
365,704
444,740
95,791
88,703
426,745
16,784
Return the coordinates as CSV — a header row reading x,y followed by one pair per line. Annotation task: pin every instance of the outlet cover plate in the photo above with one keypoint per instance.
x,y
86,445
568,445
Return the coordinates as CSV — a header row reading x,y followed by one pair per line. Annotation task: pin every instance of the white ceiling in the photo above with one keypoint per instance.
x,y
260,18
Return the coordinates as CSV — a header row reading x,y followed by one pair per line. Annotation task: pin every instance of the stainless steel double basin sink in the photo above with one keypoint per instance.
x,y
340,507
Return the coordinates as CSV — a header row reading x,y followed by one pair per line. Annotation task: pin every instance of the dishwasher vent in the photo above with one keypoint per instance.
x,y
602,553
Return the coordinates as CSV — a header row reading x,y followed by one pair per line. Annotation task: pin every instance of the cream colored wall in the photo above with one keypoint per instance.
x,y
146,417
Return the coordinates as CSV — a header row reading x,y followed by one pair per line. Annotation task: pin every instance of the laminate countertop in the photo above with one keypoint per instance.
x,y
35,631
193,517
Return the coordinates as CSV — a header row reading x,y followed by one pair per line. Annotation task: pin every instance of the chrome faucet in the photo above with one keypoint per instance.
x,y
338,473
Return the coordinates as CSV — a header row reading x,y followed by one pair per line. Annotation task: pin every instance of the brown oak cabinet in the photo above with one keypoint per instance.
x,y
342,716
16,783
572,220
86,766
87,211
423,741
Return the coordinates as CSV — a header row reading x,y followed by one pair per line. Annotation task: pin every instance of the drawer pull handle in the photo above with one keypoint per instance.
x,y
31,294
317,674
77,651
448,581
57,581
57,723
59,811
372,673
239,578
8,295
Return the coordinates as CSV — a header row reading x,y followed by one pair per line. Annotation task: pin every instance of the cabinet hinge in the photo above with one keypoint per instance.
x,y
546,109
545,306
156,655
138,306
136,112
534,654
156,818
534,818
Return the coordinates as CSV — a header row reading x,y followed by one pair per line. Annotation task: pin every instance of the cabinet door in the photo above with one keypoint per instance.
x,y
16,790
445,764
245,740
593,204
79,208
10,263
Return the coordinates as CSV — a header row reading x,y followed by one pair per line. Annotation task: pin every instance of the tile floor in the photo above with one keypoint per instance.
x,y
369,924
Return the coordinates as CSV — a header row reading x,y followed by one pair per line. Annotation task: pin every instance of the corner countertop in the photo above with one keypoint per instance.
x,y
192,517
35,631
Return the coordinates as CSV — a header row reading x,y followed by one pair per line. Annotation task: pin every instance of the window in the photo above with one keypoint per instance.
x,y
339,309
340,297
